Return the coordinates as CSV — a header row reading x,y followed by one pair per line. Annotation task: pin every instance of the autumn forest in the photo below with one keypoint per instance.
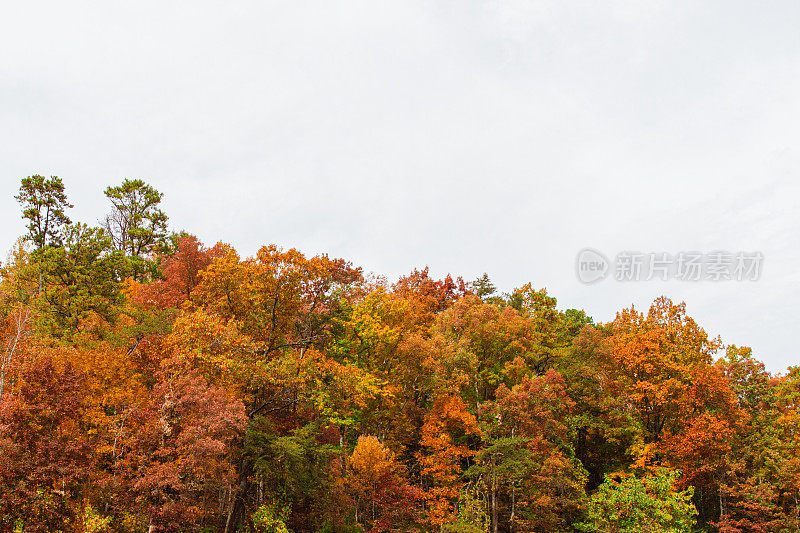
x,y
150,382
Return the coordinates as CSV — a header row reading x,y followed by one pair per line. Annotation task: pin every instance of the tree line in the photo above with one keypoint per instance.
x,y
152,383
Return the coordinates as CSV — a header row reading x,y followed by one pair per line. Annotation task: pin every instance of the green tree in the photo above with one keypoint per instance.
x,y
484,289
641,505
136,224
81,279
43,203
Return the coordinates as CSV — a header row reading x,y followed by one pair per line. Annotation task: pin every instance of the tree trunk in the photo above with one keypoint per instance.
x,y
494,506
236,513
513,508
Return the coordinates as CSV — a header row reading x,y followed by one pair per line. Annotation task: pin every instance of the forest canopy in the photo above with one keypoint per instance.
x,y
150,382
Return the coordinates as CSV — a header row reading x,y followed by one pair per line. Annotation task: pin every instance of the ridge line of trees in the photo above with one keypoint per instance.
x,y
151,383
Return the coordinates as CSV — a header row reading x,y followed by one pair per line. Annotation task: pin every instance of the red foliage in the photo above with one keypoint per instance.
x,y
44,447
180,273
430,295
179,457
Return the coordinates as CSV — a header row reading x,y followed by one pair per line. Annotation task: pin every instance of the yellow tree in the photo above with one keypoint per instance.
x,y
377,481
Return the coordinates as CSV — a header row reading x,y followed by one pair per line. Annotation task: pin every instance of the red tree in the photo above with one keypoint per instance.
x,y
178,459
44,448
180,273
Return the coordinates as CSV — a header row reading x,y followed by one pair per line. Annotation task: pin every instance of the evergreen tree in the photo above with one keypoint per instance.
x,y
136,224
44,203
483,287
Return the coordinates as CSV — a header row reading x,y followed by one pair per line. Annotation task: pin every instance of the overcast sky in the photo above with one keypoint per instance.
x,y
498,136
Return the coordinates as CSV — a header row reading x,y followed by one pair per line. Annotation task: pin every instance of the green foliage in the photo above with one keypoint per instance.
x,y
292,465
136,224
484,289
637,505
80,280
472,516
329,527
271,519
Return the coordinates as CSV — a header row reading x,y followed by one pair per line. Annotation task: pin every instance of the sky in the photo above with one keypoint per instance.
x,y
468,136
